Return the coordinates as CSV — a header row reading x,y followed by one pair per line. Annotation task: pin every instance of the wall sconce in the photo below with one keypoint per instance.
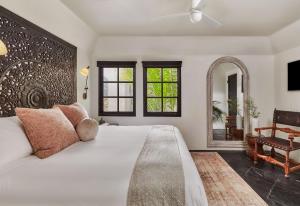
x,y
3,49
85,72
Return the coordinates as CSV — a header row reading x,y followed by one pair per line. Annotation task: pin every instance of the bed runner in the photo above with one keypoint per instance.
x,y
158,177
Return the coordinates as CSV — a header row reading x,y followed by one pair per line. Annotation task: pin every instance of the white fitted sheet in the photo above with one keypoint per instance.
x,y
89,173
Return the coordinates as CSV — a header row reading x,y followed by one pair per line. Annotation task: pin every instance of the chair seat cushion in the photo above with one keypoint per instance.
x,y
278,143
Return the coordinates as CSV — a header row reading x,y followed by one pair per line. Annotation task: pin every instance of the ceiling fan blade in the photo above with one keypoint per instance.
x,y
169,16
211,21
198,4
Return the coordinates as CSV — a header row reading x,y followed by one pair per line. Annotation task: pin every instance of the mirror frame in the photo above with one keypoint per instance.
x,y
226,144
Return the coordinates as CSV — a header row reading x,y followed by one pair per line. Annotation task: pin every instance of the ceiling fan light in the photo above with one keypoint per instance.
x,y
196,16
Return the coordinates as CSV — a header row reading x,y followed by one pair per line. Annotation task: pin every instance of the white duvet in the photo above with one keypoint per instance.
x,y
89,173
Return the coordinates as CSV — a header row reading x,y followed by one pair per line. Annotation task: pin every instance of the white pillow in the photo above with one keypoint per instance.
x,y
87,129
13,141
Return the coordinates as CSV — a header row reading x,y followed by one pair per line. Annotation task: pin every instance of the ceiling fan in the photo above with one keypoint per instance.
x,y
196,14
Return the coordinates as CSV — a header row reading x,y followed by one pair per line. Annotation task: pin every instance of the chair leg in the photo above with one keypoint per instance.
x,y
273,152
255,153
287,164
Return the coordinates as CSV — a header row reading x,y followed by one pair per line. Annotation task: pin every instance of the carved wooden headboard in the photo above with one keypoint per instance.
x,y
39,69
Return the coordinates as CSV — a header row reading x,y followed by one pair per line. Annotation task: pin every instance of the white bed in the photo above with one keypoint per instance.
x,y
89,173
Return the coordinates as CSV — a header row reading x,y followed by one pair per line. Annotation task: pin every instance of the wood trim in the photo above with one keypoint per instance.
x,y
175,64
112,64
162,64
246,86
117,64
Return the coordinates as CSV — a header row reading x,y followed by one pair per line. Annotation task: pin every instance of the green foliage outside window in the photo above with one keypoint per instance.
x,y
125,74
162,84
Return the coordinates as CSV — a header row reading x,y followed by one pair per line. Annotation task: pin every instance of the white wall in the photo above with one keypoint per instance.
x,y
197,55
288,100
284,99
286,38
56,18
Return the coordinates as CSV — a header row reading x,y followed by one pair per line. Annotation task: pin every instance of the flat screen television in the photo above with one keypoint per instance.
x,y
294,76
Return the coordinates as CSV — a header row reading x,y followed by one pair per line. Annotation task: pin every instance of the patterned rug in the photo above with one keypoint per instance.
x,y
222,184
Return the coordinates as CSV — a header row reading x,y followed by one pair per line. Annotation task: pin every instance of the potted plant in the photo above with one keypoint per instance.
x,y
234,107
254,115
217,112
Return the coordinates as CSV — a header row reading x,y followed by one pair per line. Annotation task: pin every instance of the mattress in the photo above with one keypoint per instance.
x,y
89,173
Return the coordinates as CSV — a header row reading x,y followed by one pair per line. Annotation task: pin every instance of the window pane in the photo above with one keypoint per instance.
x,y
110,74
110,104
110,89
126,89
169,74
170,104
154,104
154,90
125,74
126,104
170,89
154,74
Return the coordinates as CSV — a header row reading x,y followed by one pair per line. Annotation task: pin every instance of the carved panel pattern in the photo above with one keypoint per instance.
x,y
39,69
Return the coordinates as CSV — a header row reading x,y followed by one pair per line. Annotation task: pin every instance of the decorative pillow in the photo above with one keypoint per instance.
x,y
48,130
74,112
13,141
87,129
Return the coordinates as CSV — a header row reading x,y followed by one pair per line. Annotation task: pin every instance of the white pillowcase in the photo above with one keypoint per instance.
x,y
13,141
87,129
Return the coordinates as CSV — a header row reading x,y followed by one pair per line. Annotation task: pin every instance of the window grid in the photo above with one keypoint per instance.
x,y
161,66
102,65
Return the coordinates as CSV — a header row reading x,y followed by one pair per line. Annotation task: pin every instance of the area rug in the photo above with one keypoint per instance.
x,y
222,184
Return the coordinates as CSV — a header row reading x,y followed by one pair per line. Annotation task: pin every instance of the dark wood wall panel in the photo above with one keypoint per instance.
x,y
39,69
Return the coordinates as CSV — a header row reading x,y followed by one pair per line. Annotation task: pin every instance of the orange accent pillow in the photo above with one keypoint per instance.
x,y
74,112
48,130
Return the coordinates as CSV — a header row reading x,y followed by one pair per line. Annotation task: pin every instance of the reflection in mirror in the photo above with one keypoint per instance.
x,y
228,103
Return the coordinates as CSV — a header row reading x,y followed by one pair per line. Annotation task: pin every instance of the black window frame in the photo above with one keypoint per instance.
x,y
162,64
115,64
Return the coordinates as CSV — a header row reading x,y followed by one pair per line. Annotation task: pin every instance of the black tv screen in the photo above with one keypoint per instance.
x,y
294,76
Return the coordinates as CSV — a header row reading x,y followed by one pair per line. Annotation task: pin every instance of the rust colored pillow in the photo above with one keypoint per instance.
x,y
48,130
74,112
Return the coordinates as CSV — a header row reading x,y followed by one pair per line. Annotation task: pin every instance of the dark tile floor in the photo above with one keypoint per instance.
x,y
267,180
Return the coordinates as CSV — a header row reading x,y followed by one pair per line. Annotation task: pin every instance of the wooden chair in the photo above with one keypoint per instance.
x,y
286,118
230,126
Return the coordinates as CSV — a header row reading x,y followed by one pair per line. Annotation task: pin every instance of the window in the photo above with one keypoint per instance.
x,y
162,88
116,88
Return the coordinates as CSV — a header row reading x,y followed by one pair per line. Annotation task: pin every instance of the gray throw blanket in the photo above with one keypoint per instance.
x,y
158,177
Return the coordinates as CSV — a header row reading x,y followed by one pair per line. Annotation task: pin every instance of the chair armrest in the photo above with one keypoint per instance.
x,y
292,133
263,128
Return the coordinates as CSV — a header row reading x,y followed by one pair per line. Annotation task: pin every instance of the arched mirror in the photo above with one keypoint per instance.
x,y
228,92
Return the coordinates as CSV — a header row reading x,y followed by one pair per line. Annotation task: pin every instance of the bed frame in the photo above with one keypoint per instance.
x,y
39,69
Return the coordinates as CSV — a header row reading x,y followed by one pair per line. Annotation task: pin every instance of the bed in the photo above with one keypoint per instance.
x,y
90,173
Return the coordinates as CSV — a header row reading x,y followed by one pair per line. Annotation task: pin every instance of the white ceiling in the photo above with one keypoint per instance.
x,y
140,17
